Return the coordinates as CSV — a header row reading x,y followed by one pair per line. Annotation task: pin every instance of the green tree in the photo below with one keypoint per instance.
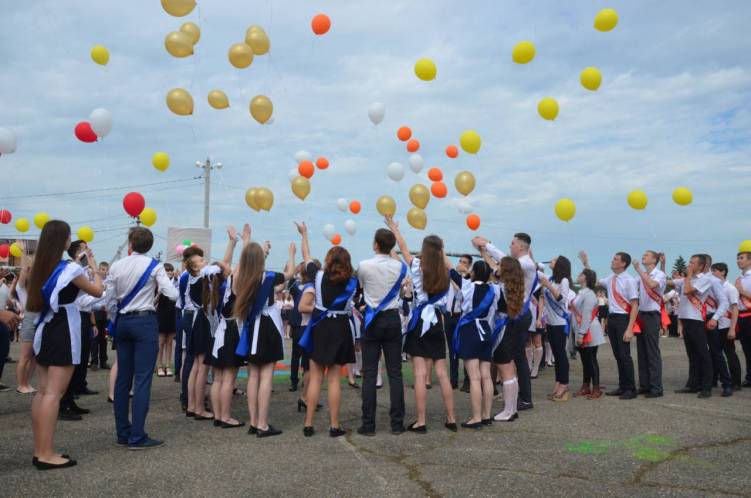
x,y
680,265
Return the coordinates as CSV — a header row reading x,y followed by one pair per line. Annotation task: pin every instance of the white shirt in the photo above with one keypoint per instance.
x,y
4,295
377,276
454,299
732,294
123,276
646,303
745,279
625,285
716,299
704,287
550,311
529,268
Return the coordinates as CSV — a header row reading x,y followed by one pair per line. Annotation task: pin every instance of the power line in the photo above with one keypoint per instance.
x,y
103,189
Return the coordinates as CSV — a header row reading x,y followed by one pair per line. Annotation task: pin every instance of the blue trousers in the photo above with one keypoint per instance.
x,y
137,348
186,326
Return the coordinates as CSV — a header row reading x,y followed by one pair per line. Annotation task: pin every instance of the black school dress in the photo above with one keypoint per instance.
x,y
333,343
432,344
473,345
223,354
56,348
514,337
200,336
165,313
270,346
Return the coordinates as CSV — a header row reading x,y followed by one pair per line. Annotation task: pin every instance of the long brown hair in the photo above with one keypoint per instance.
x,y
435,276
513,285
52,243
248,279
210,291
338,265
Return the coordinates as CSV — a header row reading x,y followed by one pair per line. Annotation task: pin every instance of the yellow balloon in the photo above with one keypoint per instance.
x,y
417,218
264,198
606,19
419,195
178,8
464,182
22,225
257,40
425,69
682,196
301,187
240,55
218,99
591,78
160,160
637,199
41,219
85,233
386,205
100,55
15,251
250,199
470,141
523,52
261,108
565,209
745,246
148,217
178,44
180,102
548,108
192,30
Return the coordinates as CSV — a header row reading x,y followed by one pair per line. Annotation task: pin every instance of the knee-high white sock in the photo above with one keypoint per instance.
x,y
537,360
530,356
549,354
510,394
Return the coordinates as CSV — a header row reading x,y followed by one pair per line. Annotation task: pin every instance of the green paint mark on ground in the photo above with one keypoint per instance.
x,y
642,447
650,454
588,447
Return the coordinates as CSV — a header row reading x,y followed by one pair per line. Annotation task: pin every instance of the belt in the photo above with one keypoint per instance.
x,y
138,313
649,312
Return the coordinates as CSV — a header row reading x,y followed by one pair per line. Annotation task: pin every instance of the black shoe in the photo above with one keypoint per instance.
x,y
746,383
270,431
365,432
51,466
146,444
301,406
524,405
225,425
705,393
615,392
35,460
68,414
336,432
94,367
293,388
628,395
110,400
727,391
86,392
252,431
398,430
465,387
653,395
686,390
474,425
487,421
451,426
423,429
642,391
217,423
78,410
308,431
454,386
201,417
428,386
353,385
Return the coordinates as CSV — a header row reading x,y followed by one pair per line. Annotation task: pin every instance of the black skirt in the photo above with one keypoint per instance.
x,y
514,339
56,348
332,342
226,354
270,348
200,336
431,345
165,314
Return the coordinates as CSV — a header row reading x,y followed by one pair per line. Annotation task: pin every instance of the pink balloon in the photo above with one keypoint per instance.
x,y
179,249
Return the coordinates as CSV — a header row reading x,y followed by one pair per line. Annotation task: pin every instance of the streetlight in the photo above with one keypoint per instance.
x,y
207,167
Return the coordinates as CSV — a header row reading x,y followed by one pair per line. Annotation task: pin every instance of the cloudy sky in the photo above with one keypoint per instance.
x,y
673,110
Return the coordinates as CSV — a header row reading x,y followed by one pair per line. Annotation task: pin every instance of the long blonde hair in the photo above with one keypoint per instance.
x,y
248,279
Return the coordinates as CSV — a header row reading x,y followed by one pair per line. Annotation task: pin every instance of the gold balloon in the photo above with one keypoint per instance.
x,y
192,30
240,55
180,102
218,99
261,108
264,198
464,182
250,199
417,218
386,205
258,40
419,195
301,187
178,44
178,8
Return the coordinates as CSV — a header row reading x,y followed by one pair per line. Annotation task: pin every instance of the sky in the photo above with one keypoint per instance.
x,y
674,109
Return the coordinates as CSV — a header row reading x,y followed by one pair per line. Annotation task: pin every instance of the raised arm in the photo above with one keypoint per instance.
x,y
394,227
289,270
230,250
662,262
492,263
94,288
645,276
302,229
584,259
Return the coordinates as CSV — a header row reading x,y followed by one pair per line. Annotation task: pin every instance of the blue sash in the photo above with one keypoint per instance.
x,y
182,286
499,324
480,310
48,288
371,313
558,309
418,311
112,325
306,340
220,302
264,291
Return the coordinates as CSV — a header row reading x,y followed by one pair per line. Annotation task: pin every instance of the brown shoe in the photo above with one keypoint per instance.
x,y
595,394
583,391
563,397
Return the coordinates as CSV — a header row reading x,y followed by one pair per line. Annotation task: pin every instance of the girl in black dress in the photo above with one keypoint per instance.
x,y
166,317
52,288
426,337
261,337
332,343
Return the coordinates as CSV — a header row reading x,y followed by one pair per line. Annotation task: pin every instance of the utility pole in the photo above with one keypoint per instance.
x,y
207,167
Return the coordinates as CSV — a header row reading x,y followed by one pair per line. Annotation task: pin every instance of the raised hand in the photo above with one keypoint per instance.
x,y
479,242
583,257
636,266
267,247
390,223
232,232
292,248
302,229
246,233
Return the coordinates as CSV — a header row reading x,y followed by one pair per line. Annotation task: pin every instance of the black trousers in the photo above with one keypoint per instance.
x,y
699,359
617,323
673,327
557,338
99,345
590,365
719,365
744,335
523,375
78,380
734,364
299,357
384,334
648,352
451,322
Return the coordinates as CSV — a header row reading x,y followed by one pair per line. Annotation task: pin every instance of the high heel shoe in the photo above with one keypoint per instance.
x,y
563,397
336,432
308,431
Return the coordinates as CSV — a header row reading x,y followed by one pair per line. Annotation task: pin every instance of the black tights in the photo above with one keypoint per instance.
x,y
590,365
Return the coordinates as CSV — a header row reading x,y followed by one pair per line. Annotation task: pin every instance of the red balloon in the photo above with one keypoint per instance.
x,y
84,132
4,251
5,216
134,203
473,221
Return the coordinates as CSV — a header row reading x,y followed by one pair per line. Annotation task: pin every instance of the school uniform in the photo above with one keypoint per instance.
x,y
555,312
720,370
589,330
184,336
744,322
727,345
227,335
201,337
622,289
295,320
426,337
651,308
475,336
453,314
265,331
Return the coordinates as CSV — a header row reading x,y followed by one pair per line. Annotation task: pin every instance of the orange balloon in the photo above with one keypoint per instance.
x,y
306,169
404,134
435,174
322,163
452,151
439,189
336,239
473,221
355,207
413,145
321,24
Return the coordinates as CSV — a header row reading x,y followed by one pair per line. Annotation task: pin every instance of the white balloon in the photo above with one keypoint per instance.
x,y
395,171
293,173
415,162
341,203
7,141
376,112
303,155
101,122
350,226
464,206
329,230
